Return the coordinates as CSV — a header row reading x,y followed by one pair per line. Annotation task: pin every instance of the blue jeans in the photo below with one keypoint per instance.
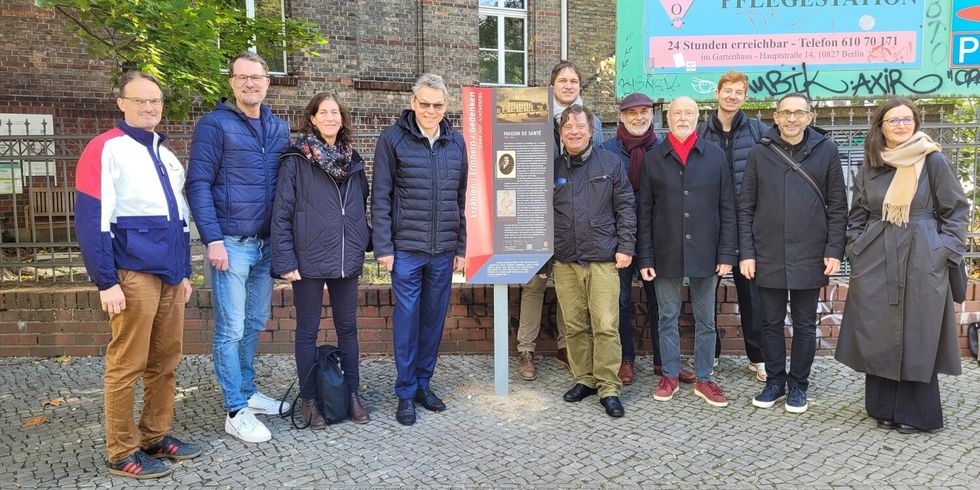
x,y
626,314
242,300
421,283
670,291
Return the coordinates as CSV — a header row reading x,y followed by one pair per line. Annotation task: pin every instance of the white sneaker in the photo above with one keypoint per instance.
x,y
246,427
759,368
263,404
714,364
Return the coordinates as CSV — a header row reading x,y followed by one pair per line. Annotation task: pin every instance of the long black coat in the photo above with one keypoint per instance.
x,y
781,221
319,227
687,212
899,321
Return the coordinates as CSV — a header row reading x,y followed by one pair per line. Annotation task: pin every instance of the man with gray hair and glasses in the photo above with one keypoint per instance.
x,y
417,212
230,183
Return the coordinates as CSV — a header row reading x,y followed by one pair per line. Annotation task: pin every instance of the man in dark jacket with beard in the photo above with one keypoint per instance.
x,y
417,210
595,233
792,216
634,137
736,133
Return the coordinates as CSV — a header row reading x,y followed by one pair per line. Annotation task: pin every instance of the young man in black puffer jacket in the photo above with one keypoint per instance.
x,y
736,133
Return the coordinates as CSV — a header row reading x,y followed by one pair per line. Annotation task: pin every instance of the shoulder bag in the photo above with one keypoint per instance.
x,y
796,166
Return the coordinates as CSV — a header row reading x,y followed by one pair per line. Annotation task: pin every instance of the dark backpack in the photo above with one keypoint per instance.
x,y
332,395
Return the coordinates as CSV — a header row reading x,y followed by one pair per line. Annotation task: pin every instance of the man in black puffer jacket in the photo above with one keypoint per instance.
x,y
417,206
736,133
595,233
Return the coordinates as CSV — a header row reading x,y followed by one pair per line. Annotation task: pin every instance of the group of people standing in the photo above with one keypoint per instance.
x,y
730,195
769,205
265,207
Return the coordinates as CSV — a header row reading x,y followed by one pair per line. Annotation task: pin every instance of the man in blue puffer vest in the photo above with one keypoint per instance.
x,y
417,211
230,185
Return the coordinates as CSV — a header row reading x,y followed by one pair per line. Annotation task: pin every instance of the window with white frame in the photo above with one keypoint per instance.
x,y
503,42
273,52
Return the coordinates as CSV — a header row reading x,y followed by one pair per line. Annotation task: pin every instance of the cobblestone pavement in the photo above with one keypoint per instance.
x,y
531,438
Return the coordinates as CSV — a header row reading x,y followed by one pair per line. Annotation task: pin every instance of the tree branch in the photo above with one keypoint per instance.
x,y
83,27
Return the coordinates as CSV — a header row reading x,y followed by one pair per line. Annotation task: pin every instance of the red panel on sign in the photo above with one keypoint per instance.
x,y
970,13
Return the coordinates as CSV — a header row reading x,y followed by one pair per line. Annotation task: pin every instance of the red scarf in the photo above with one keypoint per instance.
x,y
682,149
636,146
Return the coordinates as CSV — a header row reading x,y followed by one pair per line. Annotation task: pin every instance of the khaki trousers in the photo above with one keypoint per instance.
x,y
146,343
532,299
589,300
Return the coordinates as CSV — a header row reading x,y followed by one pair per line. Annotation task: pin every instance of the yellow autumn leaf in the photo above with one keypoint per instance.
x,y
34,421
55,402
64,360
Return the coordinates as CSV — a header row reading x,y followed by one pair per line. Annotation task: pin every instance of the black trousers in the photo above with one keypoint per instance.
x,y
749,317
626,315
308,300
803,311
904,402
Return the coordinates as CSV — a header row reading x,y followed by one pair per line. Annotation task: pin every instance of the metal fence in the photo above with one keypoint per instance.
x,y
37,176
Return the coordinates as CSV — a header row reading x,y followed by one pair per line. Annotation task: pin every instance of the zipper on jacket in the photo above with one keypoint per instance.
x,y
433,158
173,210
343,224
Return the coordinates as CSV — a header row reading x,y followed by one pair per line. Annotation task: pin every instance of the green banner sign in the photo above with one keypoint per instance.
x,y
827,49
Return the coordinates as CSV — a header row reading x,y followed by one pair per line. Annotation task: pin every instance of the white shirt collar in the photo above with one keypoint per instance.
x,y
432,140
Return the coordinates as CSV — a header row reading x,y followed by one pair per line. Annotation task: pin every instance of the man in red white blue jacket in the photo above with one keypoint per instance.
x,y
131,222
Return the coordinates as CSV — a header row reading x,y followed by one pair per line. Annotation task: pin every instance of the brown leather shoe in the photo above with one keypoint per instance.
x,y
358,414
626,372
686,377
310,414
562,358
525,367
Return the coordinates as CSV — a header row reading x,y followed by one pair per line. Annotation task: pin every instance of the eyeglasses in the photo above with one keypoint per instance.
x,y
895,121
429,105
796,114
141,102
256,79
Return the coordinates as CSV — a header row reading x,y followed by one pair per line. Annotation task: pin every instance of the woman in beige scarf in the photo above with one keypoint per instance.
x,y
907,223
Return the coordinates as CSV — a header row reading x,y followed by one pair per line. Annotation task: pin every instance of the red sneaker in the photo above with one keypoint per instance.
x,y
666,389
711,393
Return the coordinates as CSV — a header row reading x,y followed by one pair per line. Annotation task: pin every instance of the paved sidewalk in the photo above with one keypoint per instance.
x,y
531,438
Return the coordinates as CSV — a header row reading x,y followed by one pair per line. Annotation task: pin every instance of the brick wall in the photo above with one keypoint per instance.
x,y
591,39
376,49
50,322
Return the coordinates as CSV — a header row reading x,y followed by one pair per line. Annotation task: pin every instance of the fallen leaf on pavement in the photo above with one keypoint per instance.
x,y
33,421
55,402
64,360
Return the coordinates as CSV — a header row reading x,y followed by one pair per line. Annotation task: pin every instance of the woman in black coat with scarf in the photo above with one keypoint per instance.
x,y
319,236
907,224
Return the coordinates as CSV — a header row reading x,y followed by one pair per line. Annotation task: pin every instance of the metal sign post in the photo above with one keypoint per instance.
x,y
500,341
